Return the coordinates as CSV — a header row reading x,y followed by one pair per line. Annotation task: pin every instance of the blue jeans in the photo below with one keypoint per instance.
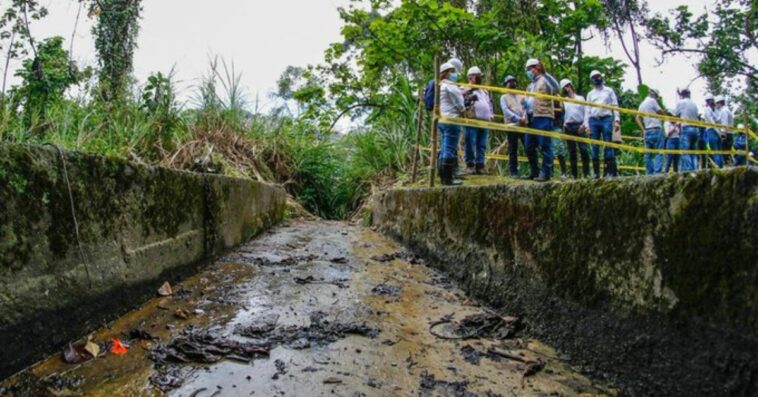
x,y
713,140
449,138
688,141
740,143
653,161
513,140
476,145
601,128
545,144
672,144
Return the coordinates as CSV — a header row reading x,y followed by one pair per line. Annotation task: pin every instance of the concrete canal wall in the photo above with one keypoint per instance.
x,y
649,282
138,226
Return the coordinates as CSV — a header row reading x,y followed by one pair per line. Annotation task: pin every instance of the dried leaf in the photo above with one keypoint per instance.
x,y
165,289
182,314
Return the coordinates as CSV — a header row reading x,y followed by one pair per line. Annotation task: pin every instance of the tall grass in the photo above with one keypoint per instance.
x,y
329,173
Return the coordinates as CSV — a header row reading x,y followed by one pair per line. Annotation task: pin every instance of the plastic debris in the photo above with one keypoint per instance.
x,y
118,348
165,289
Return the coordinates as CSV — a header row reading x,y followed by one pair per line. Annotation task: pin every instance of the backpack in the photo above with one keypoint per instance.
x,y
429,96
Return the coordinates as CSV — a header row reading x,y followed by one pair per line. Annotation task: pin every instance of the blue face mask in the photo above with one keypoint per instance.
x,y
598,81
530,75
453,77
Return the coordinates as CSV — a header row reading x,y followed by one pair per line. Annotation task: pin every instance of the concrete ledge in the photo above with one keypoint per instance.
x,y
138,226
651,283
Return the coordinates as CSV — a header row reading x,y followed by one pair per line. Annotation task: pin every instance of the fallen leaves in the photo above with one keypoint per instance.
x,y
80,352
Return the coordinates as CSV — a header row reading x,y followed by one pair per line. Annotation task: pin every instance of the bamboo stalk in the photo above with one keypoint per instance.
x,y
419,126
435,121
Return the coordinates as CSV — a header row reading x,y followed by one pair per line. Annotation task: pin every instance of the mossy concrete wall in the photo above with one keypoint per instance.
x,y
649,282
138,226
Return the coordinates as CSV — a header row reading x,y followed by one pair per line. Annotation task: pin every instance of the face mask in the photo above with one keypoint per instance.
x,y
530,75
478,80
453,77
598,81
511,85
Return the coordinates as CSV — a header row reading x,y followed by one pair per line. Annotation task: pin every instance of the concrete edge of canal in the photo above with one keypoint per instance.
x,y
650,283
68,266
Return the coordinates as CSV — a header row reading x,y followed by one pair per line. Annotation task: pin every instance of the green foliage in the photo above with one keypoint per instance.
x,y
45,81
115,41
723,40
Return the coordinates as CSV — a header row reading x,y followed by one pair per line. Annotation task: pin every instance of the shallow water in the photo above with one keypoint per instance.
x,y
258,279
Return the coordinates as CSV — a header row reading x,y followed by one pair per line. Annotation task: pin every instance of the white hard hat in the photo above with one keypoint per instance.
x,y
446,66
566,82
708,97
532,62
457,64
720,98
474,70
655,90
595,73
508,78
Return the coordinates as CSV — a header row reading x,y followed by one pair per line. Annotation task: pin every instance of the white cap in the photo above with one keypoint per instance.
x,y
446,66
532,62
720,98
708,97
457,64
474,70
566,82
595,73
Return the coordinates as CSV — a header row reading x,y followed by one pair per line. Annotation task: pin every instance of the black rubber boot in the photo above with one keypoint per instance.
x,y
562,162
586,164
596,168
607,173
614,168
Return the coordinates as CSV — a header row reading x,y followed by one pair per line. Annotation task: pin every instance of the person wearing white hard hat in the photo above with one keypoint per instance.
x,y
451,105
542,117
514,113
740,145
477,138
726,117
602,123
573,124
710,136
653,132
457,64
689,135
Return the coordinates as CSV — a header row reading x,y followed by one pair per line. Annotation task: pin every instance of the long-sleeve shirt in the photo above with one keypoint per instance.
x,y
513,108
451,100
483,108
541,107
687,109
726,118
603,96
650,105
574,112
712,115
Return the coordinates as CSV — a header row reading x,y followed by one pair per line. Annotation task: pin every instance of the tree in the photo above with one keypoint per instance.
x,y
115,34
38,91
723,40
15,35
626,17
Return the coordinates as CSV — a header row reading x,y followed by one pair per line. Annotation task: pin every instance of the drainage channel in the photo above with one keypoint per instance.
x,y
311,308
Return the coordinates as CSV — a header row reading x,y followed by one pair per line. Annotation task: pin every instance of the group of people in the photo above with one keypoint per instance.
x,y
574,119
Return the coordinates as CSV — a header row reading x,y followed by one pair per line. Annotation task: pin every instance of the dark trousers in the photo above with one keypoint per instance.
x,y
513,140
573,130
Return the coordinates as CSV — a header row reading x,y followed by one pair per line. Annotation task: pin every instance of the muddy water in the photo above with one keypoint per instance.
x,y
259,280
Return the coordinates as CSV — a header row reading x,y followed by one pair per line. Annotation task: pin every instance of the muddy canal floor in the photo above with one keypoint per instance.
x,y
312,309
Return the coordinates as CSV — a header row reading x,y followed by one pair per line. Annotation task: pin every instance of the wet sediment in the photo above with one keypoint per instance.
x,y
312,309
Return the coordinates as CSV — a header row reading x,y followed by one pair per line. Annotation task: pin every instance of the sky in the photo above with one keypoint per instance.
x,y
263,37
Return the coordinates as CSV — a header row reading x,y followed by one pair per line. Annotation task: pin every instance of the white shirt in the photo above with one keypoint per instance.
x,y
573,113
726,118
686,109
650,105
451,100
712,115
604,96
483,109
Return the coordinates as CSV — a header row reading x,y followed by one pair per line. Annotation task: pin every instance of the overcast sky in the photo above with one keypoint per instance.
x,y
264,37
